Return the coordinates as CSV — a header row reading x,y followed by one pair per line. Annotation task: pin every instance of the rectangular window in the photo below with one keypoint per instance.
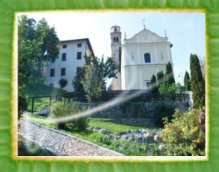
x,y
79,44
78,55
115,39
62,71
147,58
52,72
63,56
79,69
64,46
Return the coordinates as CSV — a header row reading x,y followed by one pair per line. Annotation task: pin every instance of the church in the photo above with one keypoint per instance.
x,y
139,57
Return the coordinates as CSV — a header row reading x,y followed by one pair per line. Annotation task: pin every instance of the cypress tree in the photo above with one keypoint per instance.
x,y
169,77
197,82
154,86
187,82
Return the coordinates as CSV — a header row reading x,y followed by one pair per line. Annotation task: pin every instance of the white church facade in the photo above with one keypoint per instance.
x,y
142,55
70,60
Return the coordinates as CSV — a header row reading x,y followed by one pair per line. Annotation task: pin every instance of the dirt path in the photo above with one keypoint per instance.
x,y
59,143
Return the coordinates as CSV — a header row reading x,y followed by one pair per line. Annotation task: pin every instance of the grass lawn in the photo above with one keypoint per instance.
x,y
111,125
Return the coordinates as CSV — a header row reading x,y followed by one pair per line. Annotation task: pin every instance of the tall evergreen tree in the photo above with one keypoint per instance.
x,y
187,82
169,77
154,84
197,82
160,77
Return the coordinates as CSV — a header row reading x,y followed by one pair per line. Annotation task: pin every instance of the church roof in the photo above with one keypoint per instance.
x,y
146,36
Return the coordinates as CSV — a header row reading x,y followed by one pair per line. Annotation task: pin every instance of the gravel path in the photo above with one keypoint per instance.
x,y
59,143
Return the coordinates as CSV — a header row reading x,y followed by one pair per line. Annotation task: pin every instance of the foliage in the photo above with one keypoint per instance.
x,y
167,89
160,77
78,86
187,82
63,109
95,73
112,125
37,43
63,82
165,82
154,88
164,110
93,82
197,82
169,77
184,135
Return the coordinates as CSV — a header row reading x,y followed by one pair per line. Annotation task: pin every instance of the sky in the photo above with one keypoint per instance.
x,y
186,31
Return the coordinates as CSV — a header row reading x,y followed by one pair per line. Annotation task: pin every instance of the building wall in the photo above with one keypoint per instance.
x,y
70,64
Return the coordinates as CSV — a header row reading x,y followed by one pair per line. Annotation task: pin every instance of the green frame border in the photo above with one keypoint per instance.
x,y
7,96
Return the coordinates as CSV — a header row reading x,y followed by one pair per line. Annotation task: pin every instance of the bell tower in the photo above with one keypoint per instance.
x,y
116,44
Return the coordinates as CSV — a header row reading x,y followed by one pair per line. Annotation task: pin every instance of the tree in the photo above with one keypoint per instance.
x,y
154,85
63,82
166,83
160,77
90,81
78,86
37,43
197,82
187,82
169,77
93,82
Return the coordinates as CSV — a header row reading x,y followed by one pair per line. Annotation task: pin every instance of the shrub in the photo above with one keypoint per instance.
x,y
184,134
63,83
163,110
63,109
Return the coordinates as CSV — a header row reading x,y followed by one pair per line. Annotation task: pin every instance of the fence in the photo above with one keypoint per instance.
x,y
109,95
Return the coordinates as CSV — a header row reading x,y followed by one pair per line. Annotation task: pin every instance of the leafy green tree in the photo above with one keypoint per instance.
x,y
197,82
187,82
92,77
93,82
37,43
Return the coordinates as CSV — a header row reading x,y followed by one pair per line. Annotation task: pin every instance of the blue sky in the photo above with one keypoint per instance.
x,y
185,30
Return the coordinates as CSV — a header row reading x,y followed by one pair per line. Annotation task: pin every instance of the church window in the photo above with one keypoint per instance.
x,y
147,58
115,39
